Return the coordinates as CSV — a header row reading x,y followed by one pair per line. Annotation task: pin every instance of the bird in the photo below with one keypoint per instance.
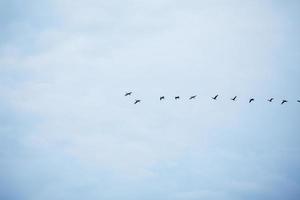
x,y
270,100
298,101
162,97
215,97
284,101
193,97
234,98
252,99
128,93
177,97
137,101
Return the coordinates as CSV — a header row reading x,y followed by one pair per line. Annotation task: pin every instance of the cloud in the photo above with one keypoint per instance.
x,y
64,77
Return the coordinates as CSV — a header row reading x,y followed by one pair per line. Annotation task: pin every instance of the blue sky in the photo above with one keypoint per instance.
x,y
68,132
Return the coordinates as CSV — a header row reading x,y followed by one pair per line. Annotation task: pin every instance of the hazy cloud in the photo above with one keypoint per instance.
x,y
67,132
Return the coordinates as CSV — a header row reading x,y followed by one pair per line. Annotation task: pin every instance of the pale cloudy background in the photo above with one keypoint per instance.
x,y
68,132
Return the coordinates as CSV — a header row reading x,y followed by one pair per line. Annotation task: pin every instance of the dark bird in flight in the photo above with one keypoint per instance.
x,y
177,97
298,101
234,98
252,99
215,97
137,101
161,98
284,101
128,93
270,100
193,97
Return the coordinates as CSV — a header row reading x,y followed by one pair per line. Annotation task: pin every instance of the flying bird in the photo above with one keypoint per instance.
x,y
252,99
137,101
193,97
270,100
177,97
161,98
298,101
128,93
234,98
284,101
215,97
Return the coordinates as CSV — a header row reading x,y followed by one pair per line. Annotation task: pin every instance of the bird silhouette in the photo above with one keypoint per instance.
x,y
284,101
128,93
215,97
137,101
162,97
234,98
177,97
270,100
298,101
252,99
193,97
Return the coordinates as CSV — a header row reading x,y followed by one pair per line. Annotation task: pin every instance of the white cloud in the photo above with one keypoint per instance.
x,y
80,68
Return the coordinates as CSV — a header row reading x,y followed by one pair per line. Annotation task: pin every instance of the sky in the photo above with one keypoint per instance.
x,y
68,132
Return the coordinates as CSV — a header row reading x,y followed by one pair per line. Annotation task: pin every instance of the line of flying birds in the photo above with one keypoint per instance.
x,y
214,98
